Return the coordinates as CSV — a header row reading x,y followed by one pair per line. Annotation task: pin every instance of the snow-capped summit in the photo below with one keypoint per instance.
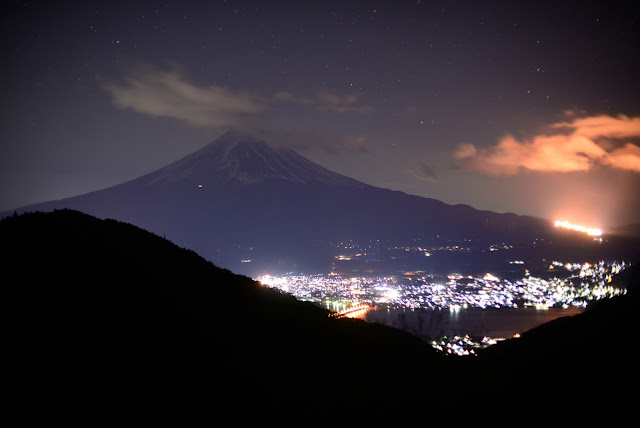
x,y
242,159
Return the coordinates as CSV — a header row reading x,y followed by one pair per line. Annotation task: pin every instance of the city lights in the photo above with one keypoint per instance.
x,y
577,285
580,284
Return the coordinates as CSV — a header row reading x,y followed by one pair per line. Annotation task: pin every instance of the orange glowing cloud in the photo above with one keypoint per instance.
x,y
627,157
575,145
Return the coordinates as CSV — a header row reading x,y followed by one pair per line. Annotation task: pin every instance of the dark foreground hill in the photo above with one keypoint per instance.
x,y
110,325
587,364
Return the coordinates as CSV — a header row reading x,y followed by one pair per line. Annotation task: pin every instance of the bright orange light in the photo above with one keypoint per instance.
x,y
352,312
589,231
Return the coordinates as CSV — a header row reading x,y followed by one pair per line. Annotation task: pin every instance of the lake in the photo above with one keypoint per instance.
x,y
495,323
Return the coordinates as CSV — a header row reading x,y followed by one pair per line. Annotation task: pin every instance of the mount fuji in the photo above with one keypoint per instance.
x,y
239,198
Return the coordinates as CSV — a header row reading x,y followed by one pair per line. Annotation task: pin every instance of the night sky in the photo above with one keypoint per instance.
x,y
524,107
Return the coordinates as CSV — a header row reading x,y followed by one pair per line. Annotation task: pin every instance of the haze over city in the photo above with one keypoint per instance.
x,y
524,107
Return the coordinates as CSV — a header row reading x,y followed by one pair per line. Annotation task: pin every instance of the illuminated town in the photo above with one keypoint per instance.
x,y
586,282
576,284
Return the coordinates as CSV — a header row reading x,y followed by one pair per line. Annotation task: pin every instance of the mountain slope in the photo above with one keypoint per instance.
x,y
241,198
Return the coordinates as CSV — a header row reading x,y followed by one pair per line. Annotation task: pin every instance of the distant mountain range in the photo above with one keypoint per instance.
x,y
110,325
240,199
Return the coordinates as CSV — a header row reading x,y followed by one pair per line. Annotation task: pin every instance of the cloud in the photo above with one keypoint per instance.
x,y
159,93
577,144
464,150
424,172
170,94
626,157
316,139
326,101
602,126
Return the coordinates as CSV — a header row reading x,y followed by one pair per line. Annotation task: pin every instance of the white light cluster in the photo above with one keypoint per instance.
x,y
582,283
461,345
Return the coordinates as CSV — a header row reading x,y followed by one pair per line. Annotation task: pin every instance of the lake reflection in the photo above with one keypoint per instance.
x,y
495,323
